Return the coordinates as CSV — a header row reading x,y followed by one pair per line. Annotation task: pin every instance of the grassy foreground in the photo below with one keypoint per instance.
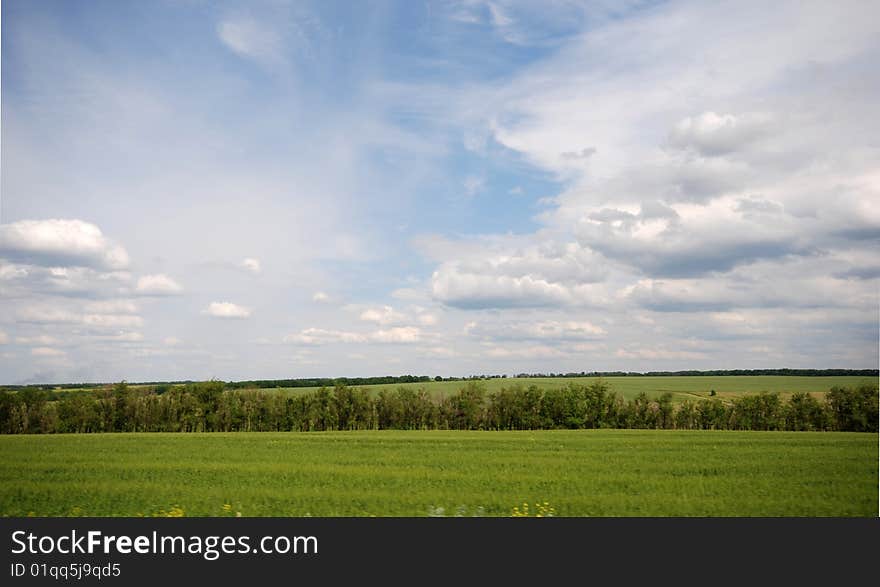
x,y
396,473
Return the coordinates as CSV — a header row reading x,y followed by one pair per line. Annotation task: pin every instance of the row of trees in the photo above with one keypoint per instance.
x,y
210,406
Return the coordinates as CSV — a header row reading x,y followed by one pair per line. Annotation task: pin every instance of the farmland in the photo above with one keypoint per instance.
x,y
419,473
681,387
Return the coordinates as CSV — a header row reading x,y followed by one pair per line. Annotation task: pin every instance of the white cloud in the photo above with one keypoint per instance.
x,y
539,330
10,272
59,243
384,315
717,182
85,282
530,352
47,352
56,315
716,134
695,240
808,282
251,38
46,315
471,290
319,336
426,319
659,354
4,338
227,310
122,337
112,321
713,150
171,341
112,307
404,335
158,285
526,274
251,264
38,340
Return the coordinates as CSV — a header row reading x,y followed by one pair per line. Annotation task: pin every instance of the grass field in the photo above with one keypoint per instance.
x,y
578,473
629,387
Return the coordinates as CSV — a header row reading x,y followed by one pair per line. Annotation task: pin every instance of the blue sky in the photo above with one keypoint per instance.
x,y
281,189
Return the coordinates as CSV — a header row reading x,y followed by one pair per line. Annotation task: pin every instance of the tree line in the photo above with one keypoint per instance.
x,y
211,407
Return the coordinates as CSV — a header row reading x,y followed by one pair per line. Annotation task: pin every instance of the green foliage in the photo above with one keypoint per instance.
x,y
854,408
804,412
210,407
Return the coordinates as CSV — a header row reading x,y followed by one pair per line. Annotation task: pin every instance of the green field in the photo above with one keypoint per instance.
x,y
395,473
629,387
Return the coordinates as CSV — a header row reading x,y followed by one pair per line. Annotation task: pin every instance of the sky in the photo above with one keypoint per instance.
x,y
280,189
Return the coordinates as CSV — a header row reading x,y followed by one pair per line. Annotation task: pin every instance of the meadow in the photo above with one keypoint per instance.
x,y
681,387
421,473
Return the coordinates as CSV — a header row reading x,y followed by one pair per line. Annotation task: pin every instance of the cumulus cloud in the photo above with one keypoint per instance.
x,y
23,280
696,241
60,243
532,275
474,291
227,310
807,283
713,134
158,285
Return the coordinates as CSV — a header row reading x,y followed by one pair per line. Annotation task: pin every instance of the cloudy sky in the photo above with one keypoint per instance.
x,y
287,189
